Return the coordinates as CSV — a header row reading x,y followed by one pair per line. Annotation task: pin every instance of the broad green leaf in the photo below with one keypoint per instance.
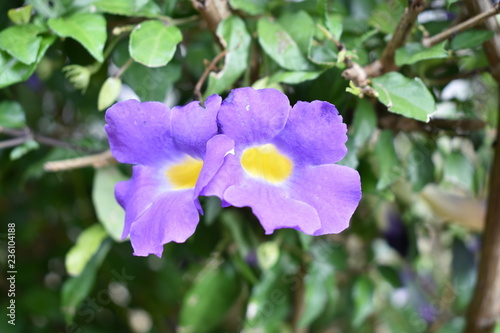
x,y
75,289
278,44
450,2
319,285
13,71
362,293
208,300
21,15
294,77
266,82
323,52
109,92
88,29
153,44
254,7
411,53
21,42
109,212
408,97
23,149
145,8
458,169
470,39
388,160
12,115
50,9
301,28
233,34
86,246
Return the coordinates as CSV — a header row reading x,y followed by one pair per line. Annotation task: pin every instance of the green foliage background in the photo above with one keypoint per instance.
x,y
398,268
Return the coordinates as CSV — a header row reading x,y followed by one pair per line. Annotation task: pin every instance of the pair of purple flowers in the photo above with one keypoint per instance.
x,y
251,149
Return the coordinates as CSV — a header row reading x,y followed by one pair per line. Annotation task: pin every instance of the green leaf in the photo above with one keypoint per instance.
x,y
272,291
254,7
75,289
86,246
12,115
388,160
301,28
324,53
319,286
411,53
21,15
23,149
470,39
278,44
88,29
333,23
109,212
153,44
234,36
109,92
150,84
459,170
294,77
364,122
390,275
450,2
385,17
362,293
21,42
145,8
408,97
208,300
420,168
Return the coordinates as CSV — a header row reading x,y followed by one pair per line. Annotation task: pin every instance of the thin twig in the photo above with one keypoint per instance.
x,y
27,133
97,161
122,69
386,63
12,142
473,21
210,67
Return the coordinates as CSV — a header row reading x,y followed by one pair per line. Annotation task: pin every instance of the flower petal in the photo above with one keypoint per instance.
x,y
218,148
193,125
273,206
314,134
173,217
333,190
253,117
139,133
144,188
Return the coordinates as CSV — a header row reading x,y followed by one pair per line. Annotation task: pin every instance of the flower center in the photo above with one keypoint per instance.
x,y
185,174
267,162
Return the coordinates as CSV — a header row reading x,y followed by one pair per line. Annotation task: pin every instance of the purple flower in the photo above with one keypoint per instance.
x,y
171,168
283,162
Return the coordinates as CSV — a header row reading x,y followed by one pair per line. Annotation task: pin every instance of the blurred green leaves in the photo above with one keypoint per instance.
x,y
12,115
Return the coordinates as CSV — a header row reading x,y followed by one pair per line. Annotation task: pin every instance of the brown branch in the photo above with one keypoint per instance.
x,y
97,161
473,21
212,11
208,69
386,63
484,309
